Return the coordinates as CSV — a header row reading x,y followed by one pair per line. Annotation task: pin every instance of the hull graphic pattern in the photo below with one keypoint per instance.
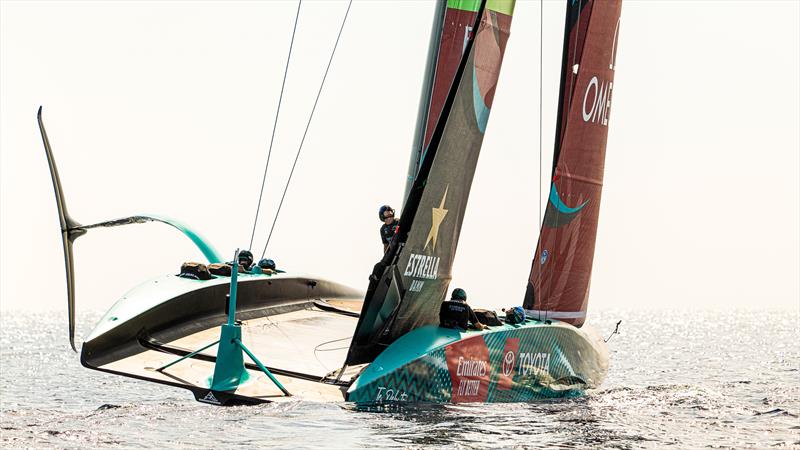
x,y
506,364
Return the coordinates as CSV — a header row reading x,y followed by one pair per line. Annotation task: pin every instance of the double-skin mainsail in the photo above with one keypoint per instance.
x,y
410,282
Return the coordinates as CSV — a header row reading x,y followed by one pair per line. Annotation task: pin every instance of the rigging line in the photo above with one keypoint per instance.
x,y
316,349
277,326
616,331
541,71
308,124
275,124
333,349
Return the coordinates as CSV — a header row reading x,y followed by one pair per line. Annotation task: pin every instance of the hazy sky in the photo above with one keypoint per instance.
x,y
167,107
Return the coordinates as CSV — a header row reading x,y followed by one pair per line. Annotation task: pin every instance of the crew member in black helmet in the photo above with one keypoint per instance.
x,y
390,224
268,266
246,260
456,313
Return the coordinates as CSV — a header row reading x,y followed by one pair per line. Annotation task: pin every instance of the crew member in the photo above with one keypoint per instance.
x,y
246,260
456,313
268,266
389,227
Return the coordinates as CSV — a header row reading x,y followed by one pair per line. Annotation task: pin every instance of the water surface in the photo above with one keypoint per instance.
x,y
681,379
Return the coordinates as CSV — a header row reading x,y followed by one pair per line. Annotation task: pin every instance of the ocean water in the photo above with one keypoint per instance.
x,y
684,379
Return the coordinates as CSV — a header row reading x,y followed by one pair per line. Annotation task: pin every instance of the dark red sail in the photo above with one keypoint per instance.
x,y
456,30
558,286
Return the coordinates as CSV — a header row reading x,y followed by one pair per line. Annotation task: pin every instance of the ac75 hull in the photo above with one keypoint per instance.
x,y
287,324
285,319
508,363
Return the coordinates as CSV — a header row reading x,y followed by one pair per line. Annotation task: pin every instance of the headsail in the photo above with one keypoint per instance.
x,y
558,286
411,281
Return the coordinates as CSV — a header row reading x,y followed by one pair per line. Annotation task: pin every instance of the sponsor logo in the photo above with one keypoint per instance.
x,y
543,258
509,359
209,398
597,101
390,395
506,378
416,286
468,388
437,217
531,363
422,266
425,266
469,367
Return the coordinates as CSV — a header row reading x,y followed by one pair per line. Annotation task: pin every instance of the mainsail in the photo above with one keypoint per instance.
x,y
459,18
408,285
558,286
452,29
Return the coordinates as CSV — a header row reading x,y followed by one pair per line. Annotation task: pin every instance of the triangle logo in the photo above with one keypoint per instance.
x,y
209,398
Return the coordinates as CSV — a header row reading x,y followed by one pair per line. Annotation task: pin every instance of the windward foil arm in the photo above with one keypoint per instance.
x,y
71,230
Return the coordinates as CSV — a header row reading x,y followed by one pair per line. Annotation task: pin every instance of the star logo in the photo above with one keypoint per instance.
x,y
437,216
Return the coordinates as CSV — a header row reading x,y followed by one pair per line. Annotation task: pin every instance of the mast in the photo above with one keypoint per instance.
x,y
558,284
425,97
408,285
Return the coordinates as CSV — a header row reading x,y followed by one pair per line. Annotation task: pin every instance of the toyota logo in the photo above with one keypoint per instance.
x,y
508,362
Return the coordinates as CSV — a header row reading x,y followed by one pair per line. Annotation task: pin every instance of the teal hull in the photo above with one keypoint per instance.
x,y
168,317
509,363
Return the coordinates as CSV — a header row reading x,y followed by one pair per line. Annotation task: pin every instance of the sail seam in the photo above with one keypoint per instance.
x,y
582,178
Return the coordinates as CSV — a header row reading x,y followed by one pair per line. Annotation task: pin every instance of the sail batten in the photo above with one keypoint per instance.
x,y
559,281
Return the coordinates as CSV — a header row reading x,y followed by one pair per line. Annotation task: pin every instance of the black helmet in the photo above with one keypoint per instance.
x,y
267,263
459,294
245,258
383,209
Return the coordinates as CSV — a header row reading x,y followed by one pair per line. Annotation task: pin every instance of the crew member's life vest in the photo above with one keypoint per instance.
x,y
454,314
